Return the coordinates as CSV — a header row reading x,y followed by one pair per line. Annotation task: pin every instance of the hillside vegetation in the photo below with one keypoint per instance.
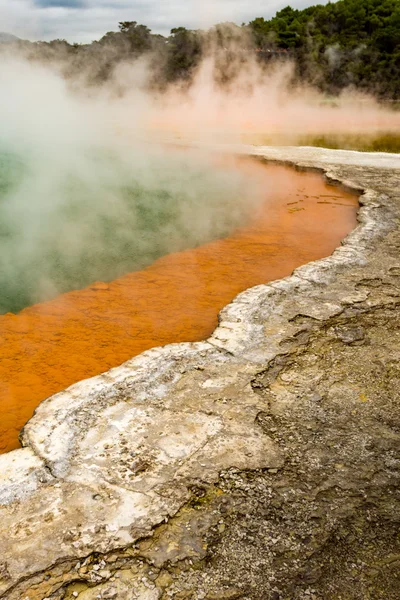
x,y
352,43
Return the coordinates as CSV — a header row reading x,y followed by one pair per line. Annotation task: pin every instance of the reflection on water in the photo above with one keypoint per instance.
x,y
79,334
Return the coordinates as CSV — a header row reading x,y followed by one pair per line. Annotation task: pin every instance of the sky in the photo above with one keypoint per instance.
x,y
83,21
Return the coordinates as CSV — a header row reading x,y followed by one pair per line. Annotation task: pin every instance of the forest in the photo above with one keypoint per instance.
x,y
349,43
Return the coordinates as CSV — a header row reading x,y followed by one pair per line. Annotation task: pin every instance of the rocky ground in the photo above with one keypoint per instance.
x,y
262,464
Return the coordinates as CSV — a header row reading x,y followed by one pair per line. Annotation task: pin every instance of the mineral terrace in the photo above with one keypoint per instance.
x,y
262,463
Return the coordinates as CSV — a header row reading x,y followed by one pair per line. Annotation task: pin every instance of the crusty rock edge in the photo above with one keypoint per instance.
x,y
109,458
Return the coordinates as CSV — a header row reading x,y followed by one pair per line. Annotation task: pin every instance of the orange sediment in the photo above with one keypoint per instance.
x,y
49,346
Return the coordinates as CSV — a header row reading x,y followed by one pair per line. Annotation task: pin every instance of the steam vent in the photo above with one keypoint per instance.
x,y
259,464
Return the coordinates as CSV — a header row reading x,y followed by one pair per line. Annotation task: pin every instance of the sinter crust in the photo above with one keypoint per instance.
x,y
261,463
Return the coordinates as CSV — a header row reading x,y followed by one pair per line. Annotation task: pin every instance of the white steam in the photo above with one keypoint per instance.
x,y
84,197
89,191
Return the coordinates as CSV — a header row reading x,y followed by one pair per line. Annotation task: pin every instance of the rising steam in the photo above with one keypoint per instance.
x,y
84,197
88,187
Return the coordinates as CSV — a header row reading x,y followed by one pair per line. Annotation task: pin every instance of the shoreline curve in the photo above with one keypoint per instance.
x,y
112,457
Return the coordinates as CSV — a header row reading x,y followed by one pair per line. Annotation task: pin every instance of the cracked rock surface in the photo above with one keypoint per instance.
x,y
263,463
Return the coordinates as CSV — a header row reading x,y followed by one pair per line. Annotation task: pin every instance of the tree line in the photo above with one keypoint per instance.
x,y
350,42
333,46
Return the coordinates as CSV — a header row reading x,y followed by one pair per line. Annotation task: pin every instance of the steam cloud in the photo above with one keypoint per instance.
x,y
83,196
89,189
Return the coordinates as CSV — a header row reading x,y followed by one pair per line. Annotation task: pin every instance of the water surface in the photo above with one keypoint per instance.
x,y
76,335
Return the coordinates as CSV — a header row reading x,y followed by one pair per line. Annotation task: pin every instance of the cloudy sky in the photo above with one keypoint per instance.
x,y
86,20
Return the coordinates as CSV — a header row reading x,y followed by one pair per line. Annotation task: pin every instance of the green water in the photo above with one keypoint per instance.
x,y
96,216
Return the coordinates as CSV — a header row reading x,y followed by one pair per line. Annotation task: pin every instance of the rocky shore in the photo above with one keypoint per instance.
x,y
263,463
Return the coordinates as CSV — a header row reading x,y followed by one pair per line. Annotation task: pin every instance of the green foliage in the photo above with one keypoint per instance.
x,y
184,53
346,43
124,26
350,42
136,38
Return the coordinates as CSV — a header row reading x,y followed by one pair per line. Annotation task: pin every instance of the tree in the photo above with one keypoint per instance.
x,y
184,53
125,26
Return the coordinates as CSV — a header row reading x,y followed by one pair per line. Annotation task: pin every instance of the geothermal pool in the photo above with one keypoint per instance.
x,y
49,345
